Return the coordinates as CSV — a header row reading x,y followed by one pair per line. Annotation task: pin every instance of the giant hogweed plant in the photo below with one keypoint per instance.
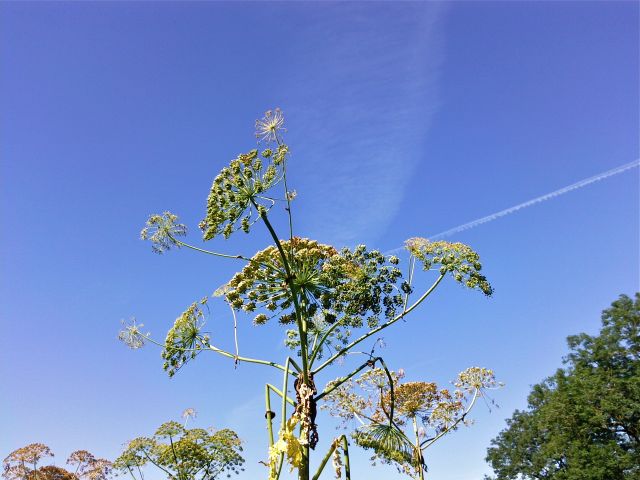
x,y
328,301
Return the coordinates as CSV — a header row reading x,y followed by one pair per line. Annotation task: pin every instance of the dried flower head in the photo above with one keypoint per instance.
x,y
476,378
189,413
132,334
267,127
162,231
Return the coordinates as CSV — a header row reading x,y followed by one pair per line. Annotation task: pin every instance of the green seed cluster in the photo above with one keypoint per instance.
x,y
364,287
458,259
238,189
262,283
162,231
352,287
184,340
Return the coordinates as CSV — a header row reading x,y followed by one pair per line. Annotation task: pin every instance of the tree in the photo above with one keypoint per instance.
x,y
22,464
328,300
583,423
183,454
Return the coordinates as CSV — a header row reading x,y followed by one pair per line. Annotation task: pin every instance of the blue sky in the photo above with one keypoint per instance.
x,y
404,119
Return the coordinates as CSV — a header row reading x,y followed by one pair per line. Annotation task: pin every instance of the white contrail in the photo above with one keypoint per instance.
x,y
543,198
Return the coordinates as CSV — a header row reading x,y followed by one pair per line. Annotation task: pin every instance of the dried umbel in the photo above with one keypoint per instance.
x,y
132,334
270,126
162,231
401,419
22,464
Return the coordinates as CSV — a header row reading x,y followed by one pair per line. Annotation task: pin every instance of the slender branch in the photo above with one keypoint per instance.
x,y
208,252
418,450
427,443
302,327
286,191
405,312
175,457
278,392
268,412
235,334
156,464
131,472
218,254
345,452
324,461
412,264
315,351
245,359
340,381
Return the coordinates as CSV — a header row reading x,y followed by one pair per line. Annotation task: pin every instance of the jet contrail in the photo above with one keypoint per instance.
x,y
543,198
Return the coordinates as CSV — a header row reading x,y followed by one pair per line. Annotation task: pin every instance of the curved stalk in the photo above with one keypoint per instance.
x,y
302,324
267,415
245,359
405,312
218,254
345,452
427,443
227,354
342,380
316,350
418,449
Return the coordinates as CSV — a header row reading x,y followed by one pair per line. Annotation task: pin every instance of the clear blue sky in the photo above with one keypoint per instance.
x,y
404,119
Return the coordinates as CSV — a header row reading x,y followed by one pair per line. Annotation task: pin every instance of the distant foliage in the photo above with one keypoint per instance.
x,y
583,423
22,464
179,453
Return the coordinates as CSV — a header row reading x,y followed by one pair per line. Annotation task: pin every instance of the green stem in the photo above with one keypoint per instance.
x,y
418,450
245,359
302,324
406,311
278,392
316,350
268,412
345,451
342,380
412,264
324,461
228,354
218,254
427,443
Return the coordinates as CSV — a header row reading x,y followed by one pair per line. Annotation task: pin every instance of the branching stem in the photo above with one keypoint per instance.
x,y
405,312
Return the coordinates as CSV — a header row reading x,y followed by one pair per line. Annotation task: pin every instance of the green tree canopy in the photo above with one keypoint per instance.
x,y
583,423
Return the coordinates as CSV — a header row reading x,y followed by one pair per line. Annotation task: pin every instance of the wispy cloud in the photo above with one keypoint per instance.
x,y
529,203
363,104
